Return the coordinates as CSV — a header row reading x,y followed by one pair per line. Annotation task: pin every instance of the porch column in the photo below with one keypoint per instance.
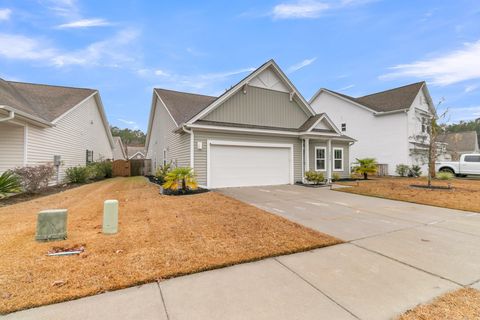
x,y
329,161
307,155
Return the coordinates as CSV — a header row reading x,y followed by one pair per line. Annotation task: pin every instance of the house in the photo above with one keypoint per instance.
x,y
39,122
259,132
118,149
458,143
390,126
135,152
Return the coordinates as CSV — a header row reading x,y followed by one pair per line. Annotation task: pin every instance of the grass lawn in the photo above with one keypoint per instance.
x,y
160,237
464,195
457,305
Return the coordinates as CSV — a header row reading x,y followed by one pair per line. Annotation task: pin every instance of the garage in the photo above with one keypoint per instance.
x,y
237,164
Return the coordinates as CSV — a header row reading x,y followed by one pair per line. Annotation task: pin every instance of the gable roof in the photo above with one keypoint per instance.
x,y
118,140
182,105
46,102
133,150
460,141
391,100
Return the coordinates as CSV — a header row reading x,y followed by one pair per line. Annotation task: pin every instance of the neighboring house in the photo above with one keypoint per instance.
x,y
259,132
118,149
458,143
38,122
136,152
387,125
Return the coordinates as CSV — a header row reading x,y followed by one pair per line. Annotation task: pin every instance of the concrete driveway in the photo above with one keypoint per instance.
x,y
397,255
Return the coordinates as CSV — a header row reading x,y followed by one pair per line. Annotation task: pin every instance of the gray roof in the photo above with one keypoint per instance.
x,y
310,122
460,141
131,150
390,100
42,101
182,105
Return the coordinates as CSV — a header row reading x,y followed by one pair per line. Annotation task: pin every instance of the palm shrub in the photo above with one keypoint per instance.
x,y
34,179
444,175
415,171
314,177
9,183
402,170
77,174
162,172
180,178
365,167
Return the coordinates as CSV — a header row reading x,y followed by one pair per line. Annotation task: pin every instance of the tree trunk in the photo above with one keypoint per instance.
x,y
365,176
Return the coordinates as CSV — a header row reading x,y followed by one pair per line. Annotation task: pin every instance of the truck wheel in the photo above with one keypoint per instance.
x,y
447,170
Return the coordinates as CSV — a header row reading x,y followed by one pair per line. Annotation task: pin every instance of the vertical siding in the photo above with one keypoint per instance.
x,y
11,146
162,137
201,155
78,131
260,107
316,143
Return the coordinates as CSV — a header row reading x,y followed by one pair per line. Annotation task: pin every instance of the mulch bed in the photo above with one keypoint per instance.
x,y
462,304
22,197
159,237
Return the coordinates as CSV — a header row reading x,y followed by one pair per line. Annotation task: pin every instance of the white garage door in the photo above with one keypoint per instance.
x,y
240,165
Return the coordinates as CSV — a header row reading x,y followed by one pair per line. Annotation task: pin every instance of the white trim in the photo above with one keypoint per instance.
x,y
330,160
307,154
240,85
340,97
324,158
25,145
136,154
192,151
248,144
333,158
279,132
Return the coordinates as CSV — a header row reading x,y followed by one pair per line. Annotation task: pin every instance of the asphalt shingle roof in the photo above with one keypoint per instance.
x,y
43,101
460,141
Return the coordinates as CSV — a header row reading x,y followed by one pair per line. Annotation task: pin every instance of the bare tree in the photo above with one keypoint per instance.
x,y
425,144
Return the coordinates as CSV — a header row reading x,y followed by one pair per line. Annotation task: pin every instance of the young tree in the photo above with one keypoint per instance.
x,y
366,166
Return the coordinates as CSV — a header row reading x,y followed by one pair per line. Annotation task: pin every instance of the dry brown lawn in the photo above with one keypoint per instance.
x,y
464,195
160,237
462,304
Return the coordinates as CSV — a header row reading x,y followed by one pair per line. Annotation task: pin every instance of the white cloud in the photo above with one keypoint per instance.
x,y
470,88
111,52
350,86
301,64
161,73
309,9
456,114
452,67
64,8
85,23
5,14
130,124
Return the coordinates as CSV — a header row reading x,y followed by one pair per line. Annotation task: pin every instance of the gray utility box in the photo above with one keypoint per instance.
x,y
52,225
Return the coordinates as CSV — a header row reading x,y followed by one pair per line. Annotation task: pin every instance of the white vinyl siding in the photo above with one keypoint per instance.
x,y
11,146
320,159
80,130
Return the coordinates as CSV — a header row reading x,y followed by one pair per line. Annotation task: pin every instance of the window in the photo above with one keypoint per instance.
x,y
344,127
164,157
472,158
89,156
337,159
320,153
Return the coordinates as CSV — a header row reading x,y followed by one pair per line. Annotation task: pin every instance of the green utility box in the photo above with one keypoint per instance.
x,y
52,225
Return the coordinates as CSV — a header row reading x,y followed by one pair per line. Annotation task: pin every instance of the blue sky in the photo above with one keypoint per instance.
x,y
126,48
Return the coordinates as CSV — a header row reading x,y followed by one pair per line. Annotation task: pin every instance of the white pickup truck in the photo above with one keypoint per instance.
x,y
469,164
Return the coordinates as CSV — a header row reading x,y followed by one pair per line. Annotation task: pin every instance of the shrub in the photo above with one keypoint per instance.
x,y
445,175
9,183
315,177
77,174
365,167
415,171
181,178
100,170
34,179
162,172
335,177
402,170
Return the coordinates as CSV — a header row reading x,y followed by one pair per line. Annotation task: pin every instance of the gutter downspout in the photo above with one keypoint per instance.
x,y
192,149
11,114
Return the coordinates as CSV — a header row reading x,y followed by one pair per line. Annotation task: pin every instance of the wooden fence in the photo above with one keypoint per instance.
x,y
133,167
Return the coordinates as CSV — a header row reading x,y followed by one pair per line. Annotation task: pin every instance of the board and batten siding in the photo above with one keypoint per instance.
x,y
80,130
335,144
162,138
11,146
200,155
260,106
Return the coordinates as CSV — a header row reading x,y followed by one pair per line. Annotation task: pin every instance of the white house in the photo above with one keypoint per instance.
x,y
39,122
385,124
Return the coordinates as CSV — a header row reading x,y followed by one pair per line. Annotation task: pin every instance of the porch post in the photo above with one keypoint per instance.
x,y
307,154
330,161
